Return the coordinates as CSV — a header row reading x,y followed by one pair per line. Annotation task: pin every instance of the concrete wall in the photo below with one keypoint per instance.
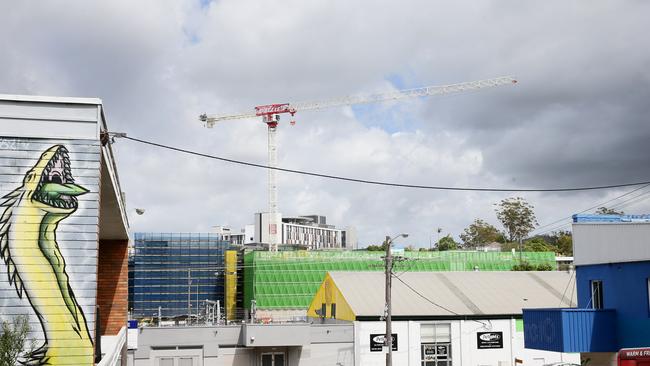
x,y
408,343
464,344
52,117
513,345
224,345
598,243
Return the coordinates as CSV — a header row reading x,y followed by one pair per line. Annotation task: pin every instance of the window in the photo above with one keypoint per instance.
x,y
166,361
185,361
273,359
333,311
435,347
596,294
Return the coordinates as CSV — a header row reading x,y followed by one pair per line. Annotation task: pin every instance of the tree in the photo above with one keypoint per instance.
x,y
376,248
517,217
479,233
525,266
537,244
608,211
558,241
446,243
13,340
565,243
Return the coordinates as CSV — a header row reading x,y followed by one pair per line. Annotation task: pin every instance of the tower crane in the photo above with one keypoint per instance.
x,y
270,114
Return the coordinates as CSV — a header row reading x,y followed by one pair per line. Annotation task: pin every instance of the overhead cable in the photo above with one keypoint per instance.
x,y
587,209
382,183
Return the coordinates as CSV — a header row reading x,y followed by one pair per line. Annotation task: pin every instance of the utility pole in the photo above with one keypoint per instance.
x,y
388,340
388,260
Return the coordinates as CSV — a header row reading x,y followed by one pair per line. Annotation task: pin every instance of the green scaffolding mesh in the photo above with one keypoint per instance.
x,y
289,280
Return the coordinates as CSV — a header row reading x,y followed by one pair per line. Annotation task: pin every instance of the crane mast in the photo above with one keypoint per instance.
x,y
270,114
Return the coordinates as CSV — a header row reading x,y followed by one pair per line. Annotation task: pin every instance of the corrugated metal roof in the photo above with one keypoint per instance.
x,y
457,293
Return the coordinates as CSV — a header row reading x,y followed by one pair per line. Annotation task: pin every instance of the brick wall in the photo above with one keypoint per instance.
x,y
112,285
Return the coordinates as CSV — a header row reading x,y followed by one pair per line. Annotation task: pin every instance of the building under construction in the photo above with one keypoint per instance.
x,y
279,286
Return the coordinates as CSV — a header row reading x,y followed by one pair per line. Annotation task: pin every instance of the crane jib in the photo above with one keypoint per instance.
x,y
262,110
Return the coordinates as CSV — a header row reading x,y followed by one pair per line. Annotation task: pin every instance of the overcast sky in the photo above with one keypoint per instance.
x,y
578,116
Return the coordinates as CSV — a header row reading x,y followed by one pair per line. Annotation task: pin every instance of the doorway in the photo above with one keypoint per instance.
x,y
273,359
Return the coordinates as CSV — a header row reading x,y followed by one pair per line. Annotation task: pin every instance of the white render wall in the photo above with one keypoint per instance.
x,y
51,117
464,350
600,243
408,343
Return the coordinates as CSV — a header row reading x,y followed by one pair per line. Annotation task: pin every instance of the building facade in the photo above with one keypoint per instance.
x,y
310,231
612,276
244,345
173,274
63,232
284,283
442,319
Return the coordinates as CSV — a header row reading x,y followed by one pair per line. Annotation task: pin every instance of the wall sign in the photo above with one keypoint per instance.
x,y
486,340
377,342
431,352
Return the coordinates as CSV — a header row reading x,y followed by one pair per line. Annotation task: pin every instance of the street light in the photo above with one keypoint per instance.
x,y
388,338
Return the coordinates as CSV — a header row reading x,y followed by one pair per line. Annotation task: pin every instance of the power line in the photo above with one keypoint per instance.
x,y
587,209
630,201
433,302
565,289
381,183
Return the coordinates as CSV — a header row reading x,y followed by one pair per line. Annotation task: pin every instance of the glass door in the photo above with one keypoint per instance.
x,y
273,359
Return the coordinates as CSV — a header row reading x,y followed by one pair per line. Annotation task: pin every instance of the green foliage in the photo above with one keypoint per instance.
x,y
479,233
545,267
559,242
608,211
525,266
376,248
446,243
564,243
517,217
13,339
537,244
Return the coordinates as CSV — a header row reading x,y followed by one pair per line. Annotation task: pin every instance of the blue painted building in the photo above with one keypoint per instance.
x,y
176,272
612,276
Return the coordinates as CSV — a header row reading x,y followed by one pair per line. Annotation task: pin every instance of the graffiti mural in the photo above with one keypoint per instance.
x,y
36,267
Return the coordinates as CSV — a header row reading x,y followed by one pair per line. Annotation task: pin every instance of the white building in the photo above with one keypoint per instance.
x,y
443,319
310,231
244,236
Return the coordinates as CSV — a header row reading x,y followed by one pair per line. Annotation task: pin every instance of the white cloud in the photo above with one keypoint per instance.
x,y
577,117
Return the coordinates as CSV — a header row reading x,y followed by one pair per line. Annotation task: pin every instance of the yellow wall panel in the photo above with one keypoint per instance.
x,y
329,294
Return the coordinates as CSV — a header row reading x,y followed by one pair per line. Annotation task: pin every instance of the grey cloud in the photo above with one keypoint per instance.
x,y
578,116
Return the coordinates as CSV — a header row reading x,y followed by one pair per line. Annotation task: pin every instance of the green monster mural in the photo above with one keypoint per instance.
x,y
35,266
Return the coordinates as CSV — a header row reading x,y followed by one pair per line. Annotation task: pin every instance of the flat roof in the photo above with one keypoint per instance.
x,y
49,99
591,218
